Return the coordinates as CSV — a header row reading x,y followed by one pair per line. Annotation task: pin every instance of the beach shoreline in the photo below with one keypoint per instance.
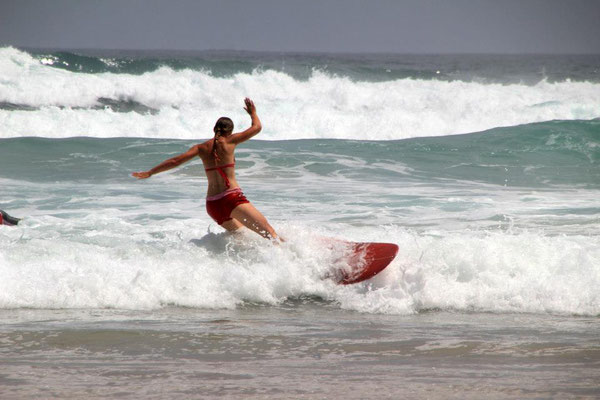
x,y
302,349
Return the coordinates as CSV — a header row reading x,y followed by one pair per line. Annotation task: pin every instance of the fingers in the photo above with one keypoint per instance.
x,y
140,175
249,105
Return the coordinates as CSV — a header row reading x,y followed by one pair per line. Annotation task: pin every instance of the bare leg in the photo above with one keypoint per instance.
x,y
251,218
232,225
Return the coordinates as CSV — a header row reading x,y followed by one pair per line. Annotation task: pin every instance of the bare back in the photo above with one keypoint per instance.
x,y
225,150
218,152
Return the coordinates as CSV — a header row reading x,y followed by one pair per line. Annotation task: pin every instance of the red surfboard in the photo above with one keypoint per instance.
x,y
361,261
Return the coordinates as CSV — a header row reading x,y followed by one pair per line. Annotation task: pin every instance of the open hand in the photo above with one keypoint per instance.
x,y
250,107
141,175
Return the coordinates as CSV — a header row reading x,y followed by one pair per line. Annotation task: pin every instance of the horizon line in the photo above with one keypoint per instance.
x,y
307,52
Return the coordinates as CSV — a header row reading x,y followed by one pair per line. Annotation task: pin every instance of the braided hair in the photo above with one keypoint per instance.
x,y
223,126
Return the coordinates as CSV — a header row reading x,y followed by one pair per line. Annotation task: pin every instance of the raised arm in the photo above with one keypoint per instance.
x,y
170,163
240,137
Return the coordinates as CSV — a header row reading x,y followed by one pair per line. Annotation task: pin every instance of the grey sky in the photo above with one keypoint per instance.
x,y
412,26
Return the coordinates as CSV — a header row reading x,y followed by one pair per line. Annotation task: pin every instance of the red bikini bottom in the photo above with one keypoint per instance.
x,y
220,206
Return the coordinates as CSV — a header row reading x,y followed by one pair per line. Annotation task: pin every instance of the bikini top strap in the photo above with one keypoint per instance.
x,y
219,169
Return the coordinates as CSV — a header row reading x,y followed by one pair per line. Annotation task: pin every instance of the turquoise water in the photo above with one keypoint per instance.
x,y
480,175
365,67
531,156
483,169
459,206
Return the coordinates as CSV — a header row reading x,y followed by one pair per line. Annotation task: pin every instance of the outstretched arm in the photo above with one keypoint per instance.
x,y
254,128
168,164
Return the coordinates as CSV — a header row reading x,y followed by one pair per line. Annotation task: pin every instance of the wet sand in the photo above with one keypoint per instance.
x,y
301,349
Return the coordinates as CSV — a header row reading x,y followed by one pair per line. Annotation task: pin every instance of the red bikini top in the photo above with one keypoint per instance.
x,y
219,169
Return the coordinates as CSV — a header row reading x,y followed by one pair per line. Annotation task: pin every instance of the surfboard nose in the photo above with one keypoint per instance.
x,y
367,260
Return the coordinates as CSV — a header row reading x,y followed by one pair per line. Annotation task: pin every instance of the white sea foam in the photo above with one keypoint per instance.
x,y
95,244
105,260
324,106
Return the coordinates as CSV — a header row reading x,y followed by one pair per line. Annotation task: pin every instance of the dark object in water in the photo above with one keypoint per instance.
x,y
6,219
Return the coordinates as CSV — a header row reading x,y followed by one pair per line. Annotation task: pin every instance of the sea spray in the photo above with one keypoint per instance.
x,y
105,262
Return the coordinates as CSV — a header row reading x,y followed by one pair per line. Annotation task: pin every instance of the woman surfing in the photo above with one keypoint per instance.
x,y
225,201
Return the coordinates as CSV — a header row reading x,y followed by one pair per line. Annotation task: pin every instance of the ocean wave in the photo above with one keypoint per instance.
x,y
40,100
548,154
105,262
